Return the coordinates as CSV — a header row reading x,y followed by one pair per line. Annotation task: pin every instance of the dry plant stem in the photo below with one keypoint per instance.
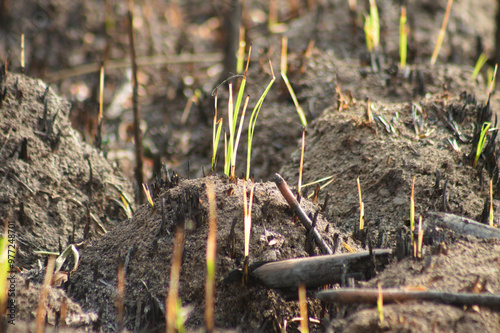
x,y
491,203
304,219
173,288
441,33
361,208
211,255
41,311
304,322
301,161
101,92
349,296
141,62
22,53
420,238
492,83
139,175
380,304
120,297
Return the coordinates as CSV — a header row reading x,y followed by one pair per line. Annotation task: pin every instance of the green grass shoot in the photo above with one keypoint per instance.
x,y
482,141
283,67
492,215
215,134
420,238
441,33
372,28
61,257
412,209
211,255
304,322
403,38
145,187
380,305
479,64
232,147
253,119
492,74
361,208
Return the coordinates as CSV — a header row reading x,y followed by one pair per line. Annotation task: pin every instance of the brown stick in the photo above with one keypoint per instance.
x,y
459,224
370,296
306,222
139,175
317,271
41,311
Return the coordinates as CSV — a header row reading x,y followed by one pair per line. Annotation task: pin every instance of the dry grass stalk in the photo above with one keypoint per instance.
x,y
173,289
41,311
304,322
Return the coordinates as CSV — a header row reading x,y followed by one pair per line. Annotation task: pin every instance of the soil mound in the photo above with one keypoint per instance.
x,y
52,185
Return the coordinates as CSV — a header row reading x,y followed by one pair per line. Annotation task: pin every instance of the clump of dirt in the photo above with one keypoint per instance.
x,y
56,189
145,244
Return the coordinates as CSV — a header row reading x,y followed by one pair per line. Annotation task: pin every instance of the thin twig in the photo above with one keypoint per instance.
x,y
306,222
371,296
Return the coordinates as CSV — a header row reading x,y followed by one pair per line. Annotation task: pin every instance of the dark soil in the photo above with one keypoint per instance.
x,y
60,190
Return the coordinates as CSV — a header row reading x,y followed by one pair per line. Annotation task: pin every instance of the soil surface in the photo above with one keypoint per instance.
x,y
423,122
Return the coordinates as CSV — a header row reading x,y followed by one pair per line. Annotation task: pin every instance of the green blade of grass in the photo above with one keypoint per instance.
x,y
302,116
253,119
403,38
479,64
374,24
482,141
236,143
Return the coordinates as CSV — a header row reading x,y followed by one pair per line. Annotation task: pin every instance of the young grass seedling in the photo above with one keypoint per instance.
x,y
441,33
304,322
479,64
491,79
247,209
233,121
372,28
253,119
412,209
492,217
173,290
283,67
211,255
420,238
347,247
361,208
403,38
482,141
22,53
301,166
147,192
215,134
380,305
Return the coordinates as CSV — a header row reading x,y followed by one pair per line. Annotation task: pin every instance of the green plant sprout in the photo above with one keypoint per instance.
x,y
283,68
482,140
492,74
380,305
61,257
215,134
403,38
145,187
479,64
372,28
441,33
232,146
253,119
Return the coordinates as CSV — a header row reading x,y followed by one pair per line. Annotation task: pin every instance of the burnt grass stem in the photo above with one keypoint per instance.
x,y
139,174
